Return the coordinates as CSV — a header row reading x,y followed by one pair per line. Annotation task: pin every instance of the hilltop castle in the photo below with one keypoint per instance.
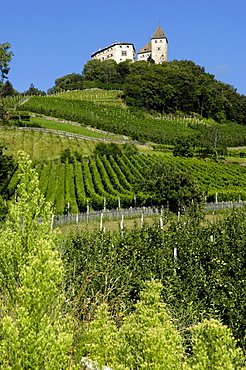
x,y
156,49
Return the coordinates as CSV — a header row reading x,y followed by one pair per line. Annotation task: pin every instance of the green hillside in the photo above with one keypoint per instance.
x,y
100,181
106,110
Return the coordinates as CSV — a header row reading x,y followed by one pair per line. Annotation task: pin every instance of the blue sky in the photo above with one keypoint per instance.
x,y
53,38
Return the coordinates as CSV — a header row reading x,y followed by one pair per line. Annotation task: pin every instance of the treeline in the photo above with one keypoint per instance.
x,y
170,87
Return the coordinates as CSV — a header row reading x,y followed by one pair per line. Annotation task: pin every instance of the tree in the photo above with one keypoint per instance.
x,y
183,148
123,70
107,149
6,166
213,347
7,89
3,209
67,82
92,70
34,91
34,331
109,72
5,59
182,86
166,185
3,113
147,339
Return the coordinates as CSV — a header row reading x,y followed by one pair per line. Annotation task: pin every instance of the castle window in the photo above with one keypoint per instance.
x,y
160,40
158,48
124,53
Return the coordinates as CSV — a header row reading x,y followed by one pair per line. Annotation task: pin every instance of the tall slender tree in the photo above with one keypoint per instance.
x,y
5,59
34,332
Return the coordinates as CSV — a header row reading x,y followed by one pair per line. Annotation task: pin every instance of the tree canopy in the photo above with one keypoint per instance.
x,y
183,86
5,59
169,187
171,87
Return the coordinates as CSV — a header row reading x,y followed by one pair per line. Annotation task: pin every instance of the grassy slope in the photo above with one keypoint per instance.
x,y
63,126
41,146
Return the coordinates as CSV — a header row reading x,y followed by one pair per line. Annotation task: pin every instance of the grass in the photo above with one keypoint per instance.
x,y
109,225
62,126
41,146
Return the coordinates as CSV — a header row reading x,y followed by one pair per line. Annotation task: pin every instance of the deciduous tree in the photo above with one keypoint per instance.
x,y
35,333
5,59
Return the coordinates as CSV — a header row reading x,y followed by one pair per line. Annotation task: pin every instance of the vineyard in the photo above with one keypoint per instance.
x,y
101,182
40,145
105,110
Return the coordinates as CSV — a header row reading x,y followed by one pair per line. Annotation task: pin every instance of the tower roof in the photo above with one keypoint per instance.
x,y
147,48
159,34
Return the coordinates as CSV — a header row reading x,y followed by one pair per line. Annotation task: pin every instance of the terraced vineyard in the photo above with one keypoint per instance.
x,y
227,180
105,110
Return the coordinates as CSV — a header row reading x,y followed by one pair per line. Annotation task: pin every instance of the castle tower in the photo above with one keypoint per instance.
x,y
159,46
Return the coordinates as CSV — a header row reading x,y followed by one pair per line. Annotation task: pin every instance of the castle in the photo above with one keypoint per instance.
x,y
155,50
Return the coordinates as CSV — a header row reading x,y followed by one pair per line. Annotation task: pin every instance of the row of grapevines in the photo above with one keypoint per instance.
x,y
70,198
80,187
113,177
120,175
60,194
44,177
96,200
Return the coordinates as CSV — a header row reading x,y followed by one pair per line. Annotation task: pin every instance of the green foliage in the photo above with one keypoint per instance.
x,y
107,149
175,181
34,331
183,86
7,89
69,82
5,59
3,114
169,187
115,149
106,111
146,338
205,280
183,148
6,167
3,209
213,347
19,116
107,71
34,91
66,155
